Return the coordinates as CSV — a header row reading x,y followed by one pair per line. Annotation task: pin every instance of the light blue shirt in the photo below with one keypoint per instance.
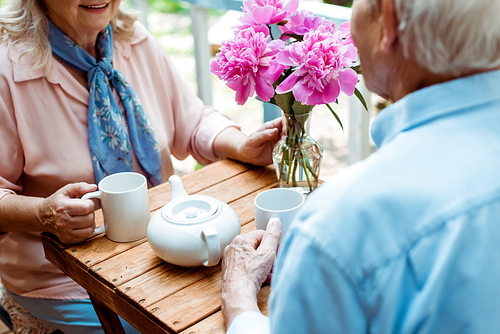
x,y
408,240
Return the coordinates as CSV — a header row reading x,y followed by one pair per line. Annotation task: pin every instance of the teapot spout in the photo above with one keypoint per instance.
x,y
177,187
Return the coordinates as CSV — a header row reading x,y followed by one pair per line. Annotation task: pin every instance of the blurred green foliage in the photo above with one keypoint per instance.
x,y
168,6
346,3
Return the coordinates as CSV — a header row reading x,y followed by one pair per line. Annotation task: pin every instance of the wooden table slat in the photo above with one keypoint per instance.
x,y
214,324
195,182
248,227
128,265
168,278
262,298
213,174
191,304
99,249
197,302
239,186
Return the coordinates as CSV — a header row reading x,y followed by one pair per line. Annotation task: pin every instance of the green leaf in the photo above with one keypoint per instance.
x,y
336,116
282,77
284,101
357,69
300,109
360,98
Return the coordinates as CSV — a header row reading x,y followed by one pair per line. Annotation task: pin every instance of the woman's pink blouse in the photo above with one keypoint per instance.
x,y
44,142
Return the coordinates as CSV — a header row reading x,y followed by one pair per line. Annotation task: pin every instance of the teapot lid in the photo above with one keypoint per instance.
x,y
190,209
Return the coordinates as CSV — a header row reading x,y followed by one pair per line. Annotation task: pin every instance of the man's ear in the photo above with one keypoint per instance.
x,y
390,22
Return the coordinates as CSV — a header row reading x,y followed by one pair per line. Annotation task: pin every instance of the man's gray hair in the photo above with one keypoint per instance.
x,y
450,36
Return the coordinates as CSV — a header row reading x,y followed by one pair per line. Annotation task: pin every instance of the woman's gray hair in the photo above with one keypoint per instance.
x,y
449,36
23,23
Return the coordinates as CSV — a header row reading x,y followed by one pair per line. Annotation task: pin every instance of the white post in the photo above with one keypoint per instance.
x,y
359,120
142,6
199,29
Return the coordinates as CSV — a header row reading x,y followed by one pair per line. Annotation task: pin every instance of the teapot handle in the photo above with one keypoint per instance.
x,y
211,238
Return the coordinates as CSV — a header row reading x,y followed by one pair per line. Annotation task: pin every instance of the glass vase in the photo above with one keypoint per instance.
x,y
297,156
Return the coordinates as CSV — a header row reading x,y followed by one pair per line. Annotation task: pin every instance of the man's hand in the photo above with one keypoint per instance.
x,y
246,265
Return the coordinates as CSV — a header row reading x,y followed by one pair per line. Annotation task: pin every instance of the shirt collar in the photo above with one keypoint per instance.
x,y
124,47
429,103
22,67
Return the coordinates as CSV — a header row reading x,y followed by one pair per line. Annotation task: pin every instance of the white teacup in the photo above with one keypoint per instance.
x,y
280,203
125,205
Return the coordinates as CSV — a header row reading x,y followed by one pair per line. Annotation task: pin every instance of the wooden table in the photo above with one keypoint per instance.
x,y
154,296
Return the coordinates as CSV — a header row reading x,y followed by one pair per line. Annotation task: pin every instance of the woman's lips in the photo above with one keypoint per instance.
x,y
98,8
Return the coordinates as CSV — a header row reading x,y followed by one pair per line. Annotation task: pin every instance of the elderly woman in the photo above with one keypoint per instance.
x,y
85,91
408,240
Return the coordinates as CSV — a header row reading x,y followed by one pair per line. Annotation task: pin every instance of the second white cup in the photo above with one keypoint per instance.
x,y
125,206
279,203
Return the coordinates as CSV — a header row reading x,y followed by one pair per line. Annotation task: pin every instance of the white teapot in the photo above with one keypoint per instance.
x,y
192,231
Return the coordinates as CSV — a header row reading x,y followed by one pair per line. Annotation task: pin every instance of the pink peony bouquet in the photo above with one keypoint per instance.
x,y
315,65
308,64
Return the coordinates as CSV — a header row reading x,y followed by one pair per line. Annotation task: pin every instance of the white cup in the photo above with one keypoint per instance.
x,y
280,203
125,206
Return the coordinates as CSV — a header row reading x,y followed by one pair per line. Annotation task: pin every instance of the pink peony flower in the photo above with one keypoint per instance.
x,y
321,66
248,63
256,12
301,22
345,30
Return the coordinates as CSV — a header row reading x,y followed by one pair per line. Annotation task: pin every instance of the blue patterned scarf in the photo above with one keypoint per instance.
x,y
109,138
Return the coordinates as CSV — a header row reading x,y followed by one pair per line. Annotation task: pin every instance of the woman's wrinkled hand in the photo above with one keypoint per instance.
x,y
246,265
258,147
67,216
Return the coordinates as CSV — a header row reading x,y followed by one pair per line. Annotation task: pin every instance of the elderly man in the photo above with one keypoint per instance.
x,y
407,240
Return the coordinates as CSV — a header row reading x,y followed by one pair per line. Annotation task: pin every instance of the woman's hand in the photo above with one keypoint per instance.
x,y
246,265
258,147
66,216
255,149
63,213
